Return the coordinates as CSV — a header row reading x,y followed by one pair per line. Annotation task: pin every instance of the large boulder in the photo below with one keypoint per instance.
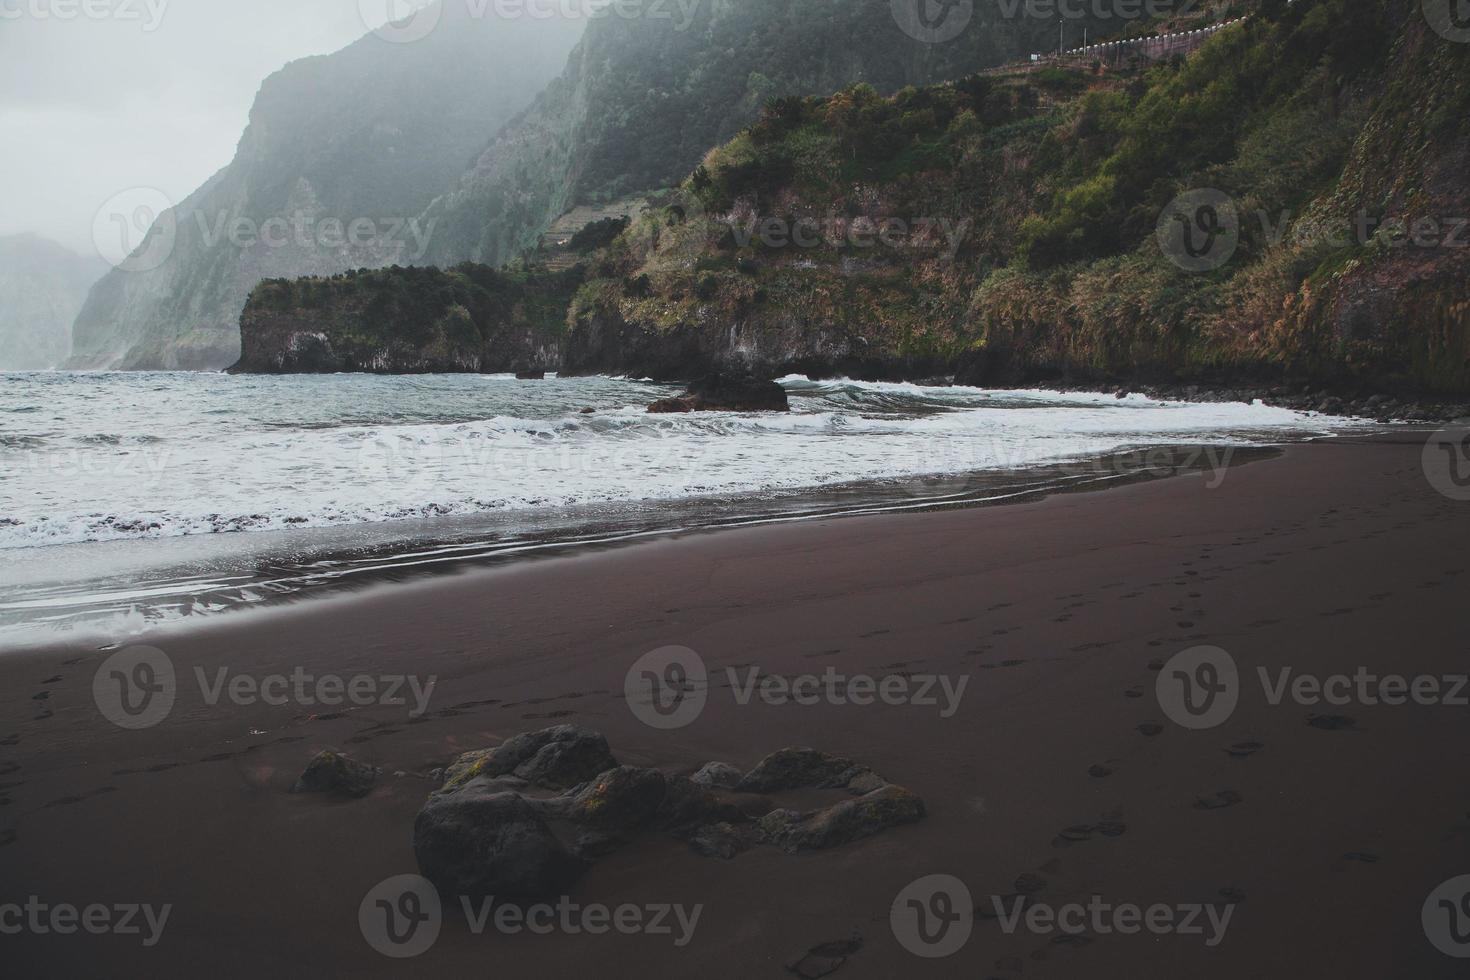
x,y
336,774
843,823
803,768
479,841
725,393
555,758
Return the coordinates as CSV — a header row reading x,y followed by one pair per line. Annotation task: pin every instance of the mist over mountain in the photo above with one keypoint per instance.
x,y
341,153
42,286
644,98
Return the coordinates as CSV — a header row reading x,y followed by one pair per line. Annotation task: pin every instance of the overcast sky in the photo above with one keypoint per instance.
x,y
154,93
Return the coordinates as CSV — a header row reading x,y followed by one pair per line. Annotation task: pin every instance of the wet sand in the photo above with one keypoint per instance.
x,y
1326,837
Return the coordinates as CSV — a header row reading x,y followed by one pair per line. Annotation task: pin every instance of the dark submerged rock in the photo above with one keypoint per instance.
x,y
723,393
334,773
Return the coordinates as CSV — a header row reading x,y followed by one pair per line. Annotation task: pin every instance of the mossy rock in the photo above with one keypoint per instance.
x,y
334,773
843,823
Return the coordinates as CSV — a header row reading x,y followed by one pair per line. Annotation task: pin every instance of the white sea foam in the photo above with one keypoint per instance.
x,y
105,457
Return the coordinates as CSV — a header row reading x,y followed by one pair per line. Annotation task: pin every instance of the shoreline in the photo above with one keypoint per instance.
x,y
428,549
1334,556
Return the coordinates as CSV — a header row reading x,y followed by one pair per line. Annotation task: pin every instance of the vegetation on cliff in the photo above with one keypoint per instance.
x,y
1022,215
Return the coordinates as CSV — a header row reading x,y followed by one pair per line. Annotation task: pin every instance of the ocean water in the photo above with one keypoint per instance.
x,y
147,497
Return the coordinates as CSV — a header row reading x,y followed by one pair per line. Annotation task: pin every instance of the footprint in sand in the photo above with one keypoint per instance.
x,y
1362,857
1150,729
1242,750
1100,771
1219,801
1332,723
1078,833
7,837
1133,692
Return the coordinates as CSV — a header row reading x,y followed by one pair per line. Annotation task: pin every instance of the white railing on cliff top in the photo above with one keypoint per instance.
x,y
1161,44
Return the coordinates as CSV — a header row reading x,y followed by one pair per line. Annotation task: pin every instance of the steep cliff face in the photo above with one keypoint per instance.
x,y
1022,228
42,286
341,154
643,98
407,321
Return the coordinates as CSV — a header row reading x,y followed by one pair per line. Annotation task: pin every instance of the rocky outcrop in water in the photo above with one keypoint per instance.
x,y
407,321
723,393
